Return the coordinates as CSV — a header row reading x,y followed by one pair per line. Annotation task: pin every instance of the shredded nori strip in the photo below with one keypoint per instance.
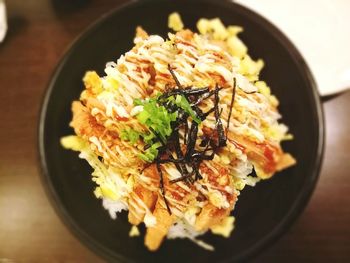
x,y
231,105
188,159
162,186
219,127
174,77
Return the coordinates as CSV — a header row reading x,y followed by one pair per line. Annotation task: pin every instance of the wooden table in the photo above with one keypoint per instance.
x,y
30,231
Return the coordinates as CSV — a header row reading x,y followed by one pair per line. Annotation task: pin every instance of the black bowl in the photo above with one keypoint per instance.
x,y
262,214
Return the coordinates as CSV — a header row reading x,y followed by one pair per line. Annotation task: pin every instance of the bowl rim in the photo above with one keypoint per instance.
x,y
300,202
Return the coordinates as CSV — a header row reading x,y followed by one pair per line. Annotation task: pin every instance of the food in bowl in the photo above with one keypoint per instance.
x,y
176,129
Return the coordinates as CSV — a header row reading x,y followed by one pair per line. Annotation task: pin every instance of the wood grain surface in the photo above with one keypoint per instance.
x,y
30,231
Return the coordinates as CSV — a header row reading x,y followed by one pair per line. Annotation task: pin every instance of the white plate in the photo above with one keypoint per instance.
x,y
320,30
3,22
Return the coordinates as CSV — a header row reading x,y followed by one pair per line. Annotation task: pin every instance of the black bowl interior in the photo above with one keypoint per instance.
x,y
262,213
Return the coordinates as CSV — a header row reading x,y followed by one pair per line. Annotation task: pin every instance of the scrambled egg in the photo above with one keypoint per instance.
x,y
73,142
225,227
134,232
92,81
217,199
175,22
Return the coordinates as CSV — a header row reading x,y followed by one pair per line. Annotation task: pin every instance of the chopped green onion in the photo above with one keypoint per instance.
x,y
130,135
183,103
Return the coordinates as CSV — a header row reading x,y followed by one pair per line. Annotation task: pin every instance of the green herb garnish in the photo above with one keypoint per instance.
x,y
158,121
130,135
155,117
183,103
151,153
